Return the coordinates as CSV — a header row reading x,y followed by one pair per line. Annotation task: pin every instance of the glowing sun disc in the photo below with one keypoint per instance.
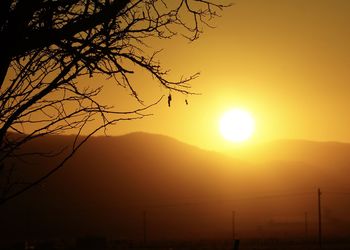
x,y
237,125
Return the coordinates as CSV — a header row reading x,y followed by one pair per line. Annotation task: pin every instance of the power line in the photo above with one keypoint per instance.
x,y
220,201
337,193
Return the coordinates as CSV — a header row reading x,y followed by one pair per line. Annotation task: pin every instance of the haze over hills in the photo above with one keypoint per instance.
x,y
311,152
187,192
325,163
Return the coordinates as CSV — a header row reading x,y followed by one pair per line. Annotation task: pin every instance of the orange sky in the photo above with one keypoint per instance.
x,y
287,62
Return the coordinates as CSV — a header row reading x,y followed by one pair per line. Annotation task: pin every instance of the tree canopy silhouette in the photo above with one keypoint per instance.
x,y
46,46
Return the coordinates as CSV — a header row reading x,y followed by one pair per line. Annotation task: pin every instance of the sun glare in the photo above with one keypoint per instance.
x,y
237,125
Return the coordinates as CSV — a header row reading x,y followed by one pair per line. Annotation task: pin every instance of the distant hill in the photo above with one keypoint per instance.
x,y
187,192
310,152
327,163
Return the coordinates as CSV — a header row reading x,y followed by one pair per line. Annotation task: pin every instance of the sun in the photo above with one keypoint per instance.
x,y
237,125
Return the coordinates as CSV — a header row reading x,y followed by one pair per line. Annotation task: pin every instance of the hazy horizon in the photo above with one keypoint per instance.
x,y
188,193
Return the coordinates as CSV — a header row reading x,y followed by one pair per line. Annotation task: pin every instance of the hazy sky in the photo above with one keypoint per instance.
x,y
286,61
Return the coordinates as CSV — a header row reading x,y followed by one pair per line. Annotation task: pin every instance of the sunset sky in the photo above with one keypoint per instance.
x,y
287,62
274,70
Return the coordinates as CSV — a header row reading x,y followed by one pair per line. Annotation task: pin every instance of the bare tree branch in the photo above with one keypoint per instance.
x,y
47,47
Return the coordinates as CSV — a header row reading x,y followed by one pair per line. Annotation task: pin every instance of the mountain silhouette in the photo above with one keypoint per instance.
x,y
186,192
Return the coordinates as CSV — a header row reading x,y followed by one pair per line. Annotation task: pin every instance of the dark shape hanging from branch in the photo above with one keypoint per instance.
x,y
169,100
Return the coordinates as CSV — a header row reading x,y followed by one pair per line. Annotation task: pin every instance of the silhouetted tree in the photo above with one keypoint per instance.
x,y
47,45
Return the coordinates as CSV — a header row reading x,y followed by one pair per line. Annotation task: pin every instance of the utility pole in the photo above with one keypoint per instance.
x,y
234,240
306,226
144,227
233,225
319,218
